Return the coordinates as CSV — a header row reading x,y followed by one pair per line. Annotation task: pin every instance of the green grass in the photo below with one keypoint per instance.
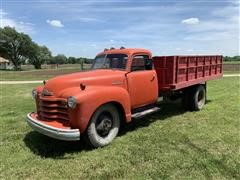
x,y
60,66
28,73
231,72
172,144
46,73
231,62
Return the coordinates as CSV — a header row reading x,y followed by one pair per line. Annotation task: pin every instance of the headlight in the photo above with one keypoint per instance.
x,y
72,102
34,93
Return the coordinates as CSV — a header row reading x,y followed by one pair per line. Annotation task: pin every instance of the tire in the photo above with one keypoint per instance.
x,y
197,98
104,126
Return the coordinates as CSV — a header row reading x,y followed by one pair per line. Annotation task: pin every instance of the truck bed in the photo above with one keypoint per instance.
x,y
177,72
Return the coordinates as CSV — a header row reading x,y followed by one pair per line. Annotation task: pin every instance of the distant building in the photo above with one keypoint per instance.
x,y
5,64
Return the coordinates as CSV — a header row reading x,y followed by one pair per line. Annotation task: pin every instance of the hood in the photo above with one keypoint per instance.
x,y
101,77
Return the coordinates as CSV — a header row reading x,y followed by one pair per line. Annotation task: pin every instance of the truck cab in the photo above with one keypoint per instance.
x,y
122,84
139,75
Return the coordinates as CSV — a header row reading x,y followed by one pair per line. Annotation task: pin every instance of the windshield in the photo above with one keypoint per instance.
x,y
110,61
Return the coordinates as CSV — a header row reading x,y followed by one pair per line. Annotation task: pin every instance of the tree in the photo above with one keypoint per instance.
x,y
39,55
60,59
72,60
88,61
14,46
234,58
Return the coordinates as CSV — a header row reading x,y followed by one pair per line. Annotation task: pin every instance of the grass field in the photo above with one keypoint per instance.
x,y
28,73
60,66
172,144
231,62
46,73
231,72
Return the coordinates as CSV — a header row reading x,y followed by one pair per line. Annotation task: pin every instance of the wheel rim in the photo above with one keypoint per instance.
x,y
104,124
201,99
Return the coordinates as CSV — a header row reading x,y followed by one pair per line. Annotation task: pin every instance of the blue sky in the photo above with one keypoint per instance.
x,y
83,28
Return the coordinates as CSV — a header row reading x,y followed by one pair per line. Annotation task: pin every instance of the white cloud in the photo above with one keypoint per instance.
x,y
86,19
218,33
215,29
55,23
111,41
20,26
190,21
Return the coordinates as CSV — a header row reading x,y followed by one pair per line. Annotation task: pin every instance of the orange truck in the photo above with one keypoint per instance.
x,y
122,84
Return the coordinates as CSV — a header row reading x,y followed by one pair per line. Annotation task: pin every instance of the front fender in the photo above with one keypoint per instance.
x,y
91,98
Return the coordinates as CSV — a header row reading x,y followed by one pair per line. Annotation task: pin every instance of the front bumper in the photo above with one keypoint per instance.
x,y
54,132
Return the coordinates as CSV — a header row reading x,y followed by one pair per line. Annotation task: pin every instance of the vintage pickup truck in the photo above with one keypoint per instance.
x,y
122,84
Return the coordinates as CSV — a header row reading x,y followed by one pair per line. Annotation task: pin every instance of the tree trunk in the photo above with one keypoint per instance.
x,y
37,66
16,65
17,68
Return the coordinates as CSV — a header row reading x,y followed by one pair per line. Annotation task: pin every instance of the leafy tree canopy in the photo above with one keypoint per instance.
x,y
14,46
39,55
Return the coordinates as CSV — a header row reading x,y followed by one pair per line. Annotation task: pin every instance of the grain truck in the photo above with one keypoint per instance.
x,y
122,84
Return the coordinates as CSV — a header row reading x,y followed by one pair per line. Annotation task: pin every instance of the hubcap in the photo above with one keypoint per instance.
x,y
104,124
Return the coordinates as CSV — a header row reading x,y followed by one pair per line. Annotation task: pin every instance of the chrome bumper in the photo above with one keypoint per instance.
x,y
57,133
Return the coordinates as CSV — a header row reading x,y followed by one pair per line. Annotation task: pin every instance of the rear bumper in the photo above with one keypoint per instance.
x,y
57,133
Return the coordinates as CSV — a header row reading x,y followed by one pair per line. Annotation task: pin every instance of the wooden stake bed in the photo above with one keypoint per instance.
x,y
176,72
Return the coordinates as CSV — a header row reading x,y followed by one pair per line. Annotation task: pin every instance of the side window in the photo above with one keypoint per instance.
x,y
140,63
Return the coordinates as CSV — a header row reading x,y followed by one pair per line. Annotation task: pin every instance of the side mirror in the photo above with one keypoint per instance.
x,y
149,64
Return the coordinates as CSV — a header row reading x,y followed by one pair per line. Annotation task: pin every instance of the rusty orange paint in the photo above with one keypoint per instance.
x,y
126,89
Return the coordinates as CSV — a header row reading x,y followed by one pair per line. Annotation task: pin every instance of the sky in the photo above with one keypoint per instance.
x,y
84,28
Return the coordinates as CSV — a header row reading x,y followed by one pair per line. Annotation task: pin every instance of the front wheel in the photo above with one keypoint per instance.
x,y
104,126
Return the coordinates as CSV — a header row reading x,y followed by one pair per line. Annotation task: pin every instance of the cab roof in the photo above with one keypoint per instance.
x,y
128,51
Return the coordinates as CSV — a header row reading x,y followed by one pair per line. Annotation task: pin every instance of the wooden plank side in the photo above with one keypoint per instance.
x,y
188,70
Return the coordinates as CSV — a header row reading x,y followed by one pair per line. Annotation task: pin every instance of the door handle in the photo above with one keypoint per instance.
x,y
153,77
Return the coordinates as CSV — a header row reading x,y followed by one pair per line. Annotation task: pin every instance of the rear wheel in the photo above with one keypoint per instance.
x,y
197,98
104,126
194,98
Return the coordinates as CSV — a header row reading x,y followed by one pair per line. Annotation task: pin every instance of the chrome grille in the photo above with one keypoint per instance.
x,y
50,108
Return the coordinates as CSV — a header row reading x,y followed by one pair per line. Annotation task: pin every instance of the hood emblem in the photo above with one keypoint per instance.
x,y
45,92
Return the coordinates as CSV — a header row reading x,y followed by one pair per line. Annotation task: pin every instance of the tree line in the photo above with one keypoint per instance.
x,y
20,49
228,58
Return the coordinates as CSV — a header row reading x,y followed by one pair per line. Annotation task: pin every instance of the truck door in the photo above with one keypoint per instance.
x,y
142,82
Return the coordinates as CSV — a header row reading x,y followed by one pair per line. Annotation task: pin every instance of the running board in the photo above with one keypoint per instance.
x,y
145,112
